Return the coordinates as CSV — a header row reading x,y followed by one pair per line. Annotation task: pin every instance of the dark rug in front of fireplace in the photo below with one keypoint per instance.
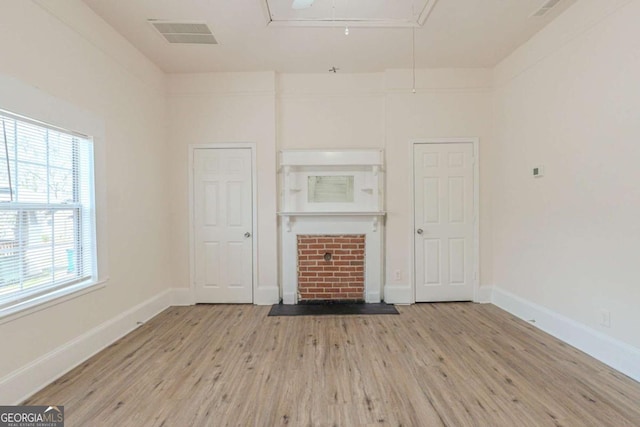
x,y
336,309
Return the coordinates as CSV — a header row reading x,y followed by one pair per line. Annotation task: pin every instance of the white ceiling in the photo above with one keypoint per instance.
x,y
457,33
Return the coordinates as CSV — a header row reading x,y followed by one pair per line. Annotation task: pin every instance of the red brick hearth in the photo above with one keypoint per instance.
x,y
331,267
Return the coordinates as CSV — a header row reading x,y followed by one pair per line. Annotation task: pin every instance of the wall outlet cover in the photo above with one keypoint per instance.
x,y
604,318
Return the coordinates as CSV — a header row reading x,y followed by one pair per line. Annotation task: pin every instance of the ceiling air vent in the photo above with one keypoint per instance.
x,y
184,32
546,7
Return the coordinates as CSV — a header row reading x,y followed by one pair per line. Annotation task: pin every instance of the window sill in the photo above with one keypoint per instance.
x,y
43,302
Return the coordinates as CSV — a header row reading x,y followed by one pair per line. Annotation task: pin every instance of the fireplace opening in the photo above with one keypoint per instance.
x,y
331,268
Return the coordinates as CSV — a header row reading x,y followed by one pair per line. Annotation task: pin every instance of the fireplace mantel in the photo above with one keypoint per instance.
x,y
375,217
332,192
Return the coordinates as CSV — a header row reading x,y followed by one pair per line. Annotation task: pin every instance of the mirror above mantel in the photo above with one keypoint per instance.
x,y
332,182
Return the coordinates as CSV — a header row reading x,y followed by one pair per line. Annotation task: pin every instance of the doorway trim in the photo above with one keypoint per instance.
x,y
254,213
475,141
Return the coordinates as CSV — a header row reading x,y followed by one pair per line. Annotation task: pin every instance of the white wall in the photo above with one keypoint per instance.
x,y
76,61
317,111
287,111
224,108
379,110
569,99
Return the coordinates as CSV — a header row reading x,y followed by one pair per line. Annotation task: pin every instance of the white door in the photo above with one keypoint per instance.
x,y
223,234
444,221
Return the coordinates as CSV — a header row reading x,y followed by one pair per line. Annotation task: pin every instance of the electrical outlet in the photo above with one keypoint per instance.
x,y
397,275
604,317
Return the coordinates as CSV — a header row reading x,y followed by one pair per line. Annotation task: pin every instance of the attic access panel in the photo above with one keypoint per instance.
x,y
355,13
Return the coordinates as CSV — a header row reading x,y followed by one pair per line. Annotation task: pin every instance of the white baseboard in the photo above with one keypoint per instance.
x,y
25,381
289,298
617,354
398,294
183,296
372,297
266,295
483,294
262,296
403,294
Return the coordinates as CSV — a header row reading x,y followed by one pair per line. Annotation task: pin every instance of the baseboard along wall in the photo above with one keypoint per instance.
x,y
617,354
25,381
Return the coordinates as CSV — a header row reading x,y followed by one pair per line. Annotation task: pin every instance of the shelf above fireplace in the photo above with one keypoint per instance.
x,y
376,217
310,158
332,213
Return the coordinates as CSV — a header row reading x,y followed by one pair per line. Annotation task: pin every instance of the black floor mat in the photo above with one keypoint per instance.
x,y
330,309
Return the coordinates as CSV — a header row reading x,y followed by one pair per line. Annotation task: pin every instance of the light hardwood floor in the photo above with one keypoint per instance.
x,y
456,364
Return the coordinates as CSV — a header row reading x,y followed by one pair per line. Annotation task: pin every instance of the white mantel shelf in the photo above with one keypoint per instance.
x,y
305,158
286,216
332,213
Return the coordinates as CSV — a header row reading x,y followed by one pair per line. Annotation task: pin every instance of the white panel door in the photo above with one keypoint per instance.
x,y
223,235
444,221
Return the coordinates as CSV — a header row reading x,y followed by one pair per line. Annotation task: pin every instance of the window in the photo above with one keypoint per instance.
x,y
47,222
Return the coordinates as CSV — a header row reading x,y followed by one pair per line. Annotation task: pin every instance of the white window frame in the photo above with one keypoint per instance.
x,y
25,101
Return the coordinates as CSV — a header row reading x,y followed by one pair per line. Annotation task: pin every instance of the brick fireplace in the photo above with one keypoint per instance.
x,y
331,267
332,225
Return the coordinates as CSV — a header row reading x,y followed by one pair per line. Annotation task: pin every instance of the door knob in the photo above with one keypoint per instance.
x,y
247,234
419,231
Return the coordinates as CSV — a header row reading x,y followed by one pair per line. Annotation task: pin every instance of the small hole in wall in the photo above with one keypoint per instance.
x,y
327,257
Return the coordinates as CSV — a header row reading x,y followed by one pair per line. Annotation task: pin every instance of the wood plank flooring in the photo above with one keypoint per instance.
x,y
455,364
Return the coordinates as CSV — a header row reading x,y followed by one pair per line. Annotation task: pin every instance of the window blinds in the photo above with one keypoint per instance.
x,y
47,226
